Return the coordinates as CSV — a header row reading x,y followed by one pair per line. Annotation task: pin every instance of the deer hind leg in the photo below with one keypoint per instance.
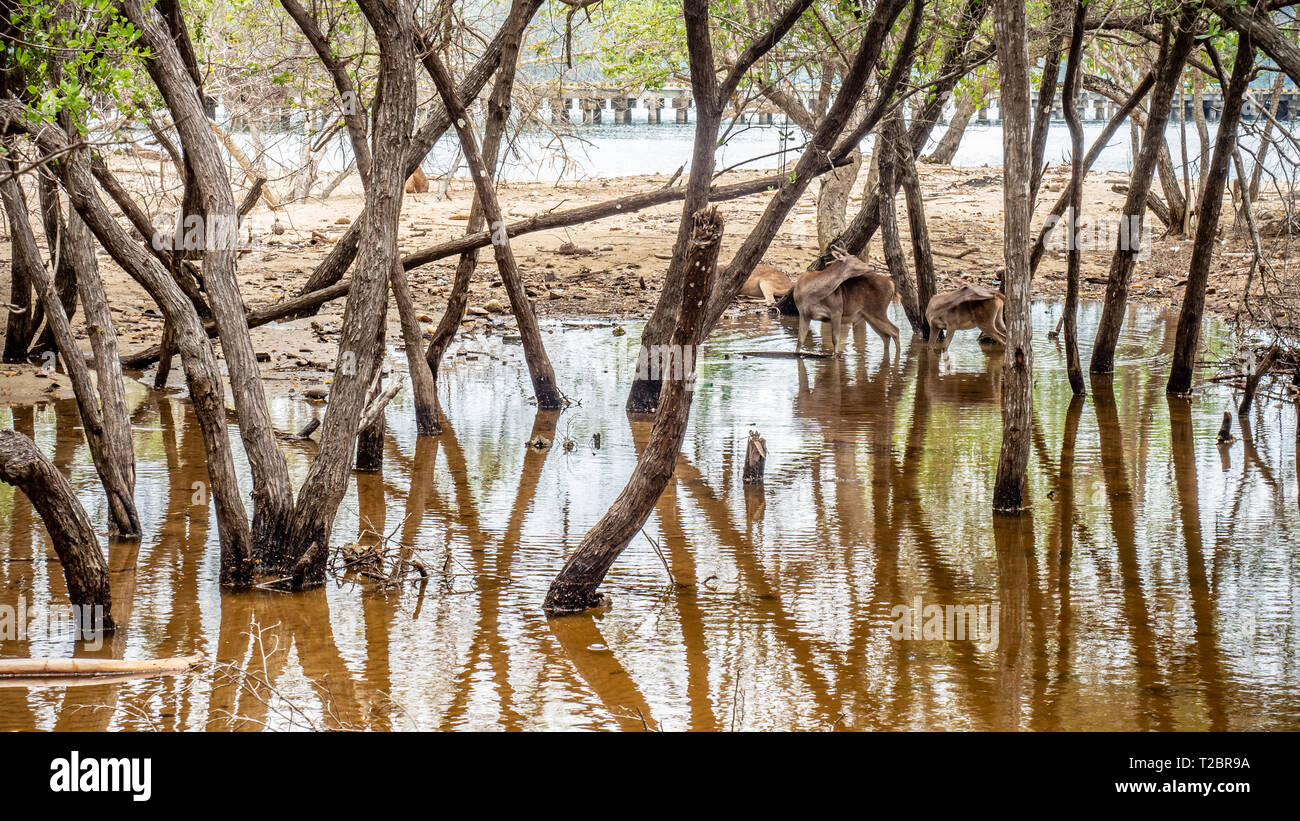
x,y
887,330
768,291
803,331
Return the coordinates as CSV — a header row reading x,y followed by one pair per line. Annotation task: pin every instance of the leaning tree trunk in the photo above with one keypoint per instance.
x,y
547,392
114,462
958,56
493,132
574,589
1070,107
201,368
307,549
173,75
1188,339
814,160
1172,57
340,258
643,396
1011,38
73,539
948,144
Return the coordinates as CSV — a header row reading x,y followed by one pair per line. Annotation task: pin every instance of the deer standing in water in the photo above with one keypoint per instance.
x,y
969,306
847,291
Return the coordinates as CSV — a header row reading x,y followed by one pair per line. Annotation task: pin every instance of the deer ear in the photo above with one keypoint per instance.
x,y
839,253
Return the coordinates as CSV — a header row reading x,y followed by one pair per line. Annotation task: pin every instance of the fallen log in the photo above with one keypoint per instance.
x,y
79,667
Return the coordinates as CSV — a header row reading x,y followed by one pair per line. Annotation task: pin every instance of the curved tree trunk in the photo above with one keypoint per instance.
x,y
272,491
307,548
948,144
574,588
84,567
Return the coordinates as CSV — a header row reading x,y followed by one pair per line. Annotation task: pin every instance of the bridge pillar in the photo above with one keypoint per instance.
x,y
652,106
559,111
591,109
681,104
623,109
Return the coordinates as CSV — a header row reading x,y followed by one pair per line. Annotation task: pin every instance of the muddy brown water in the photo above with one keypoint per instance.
x,y
1154,585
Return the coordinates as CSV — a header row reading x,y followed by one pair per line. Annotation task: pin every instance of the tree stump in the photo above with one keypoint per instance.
x,y
1226,436
755,458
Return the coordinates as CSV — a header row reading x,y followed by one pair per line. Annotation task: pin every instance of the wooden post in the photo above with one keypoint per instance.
x,y
755,458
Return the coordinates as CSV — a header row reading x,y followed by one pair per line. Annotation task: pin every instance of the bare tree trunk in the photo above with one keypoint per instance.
x,y
202,371
948,144
1188,339
539,364
65,275
833,199
272,491
307,549
22,312
920,232
115,467
711,96
493,132
1069,104
1011,38
84,567
1173,55
1202,128
889,233
574,588
424,392
1046,96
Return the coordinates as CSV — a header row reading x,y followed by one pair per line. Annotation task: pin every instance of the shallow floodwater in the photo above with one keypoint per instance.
x,y
1154,585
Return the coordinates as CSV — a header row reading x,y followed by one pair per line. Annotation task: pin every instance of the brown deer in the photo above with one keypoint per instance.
x,y
969,306
846,291
766,283
417,183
